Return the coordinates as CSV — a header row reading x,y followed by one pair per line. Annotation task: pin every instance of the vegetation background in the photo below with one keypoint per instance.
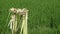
x,y
44,15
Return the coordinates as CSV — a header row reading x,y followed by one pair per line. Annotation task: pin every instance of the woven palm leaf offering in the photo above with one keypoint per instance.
x,y
18,21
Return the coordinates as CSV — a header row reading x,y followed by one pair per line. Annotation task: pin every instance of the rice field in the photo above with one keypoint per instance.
x,y
44,15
